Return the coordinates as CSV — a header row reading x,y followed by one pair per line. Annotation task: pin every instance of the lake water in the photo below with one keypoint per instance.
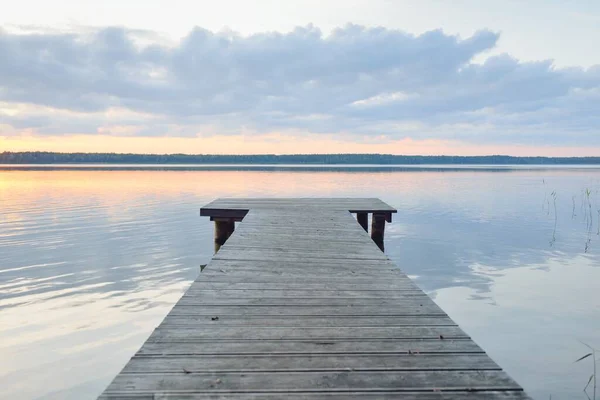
x,y
91,260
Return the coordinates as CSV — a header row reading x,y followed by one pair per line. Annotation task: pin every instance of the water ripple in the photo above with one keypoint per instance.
x,y
91,261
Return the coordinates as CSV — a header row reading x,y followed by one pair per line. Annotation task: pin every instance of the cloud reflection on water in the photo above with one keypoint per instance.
x,y
91,261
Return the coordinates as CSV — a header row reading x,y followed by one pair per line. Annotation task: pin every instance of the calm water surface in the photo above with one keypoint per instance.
x,y
92,260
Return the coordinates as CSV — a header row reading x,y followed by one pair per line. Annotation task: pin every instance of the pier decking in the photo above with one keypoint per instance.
x,y
299,302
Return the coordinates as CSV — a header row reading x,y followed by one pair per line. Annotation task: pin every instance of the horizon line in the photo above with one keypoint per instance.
x,y
293,154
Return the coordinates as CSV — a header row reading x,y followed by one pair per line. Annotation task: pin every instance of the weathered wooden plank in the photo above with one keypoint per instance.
x,y
307,322
308,276
322,219
380,265
314,232
223,213
229,268
348,302
258,255
308,272
318,214
273,252
273,235
298,242
311,277
278,363
313,213
277,236
229,276
298,347
316,202
294,217
279,202
285,211
277,284
234,210
303,310
356,333
313,245
379,395
283,382
375,266
321,226
302,293
289,226
267,233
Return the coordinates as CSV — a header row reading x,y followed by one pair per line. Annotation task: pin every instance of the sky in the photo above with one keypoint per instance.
x,y
459,77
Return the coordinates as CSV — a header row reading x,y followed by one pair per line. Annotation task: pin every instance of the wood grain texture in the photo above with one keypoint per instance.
x,y
198,321
310,362
379,395
338,381
300,303
301,348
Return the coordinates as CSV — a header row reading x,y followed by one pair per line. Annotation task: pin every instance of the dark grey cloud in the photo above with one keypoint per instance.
x,y
354,80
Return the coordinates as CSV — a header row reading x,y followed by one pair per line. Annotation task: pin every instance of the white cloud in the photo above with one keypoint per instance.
x,y
366,81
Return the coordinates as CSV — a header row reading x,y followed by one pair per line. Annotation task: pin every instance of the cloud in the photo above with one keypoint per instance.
x,y
356,80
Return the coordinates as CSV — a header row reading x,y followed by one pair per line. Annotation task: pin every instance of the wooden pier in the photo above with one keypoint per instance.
x,y
299,302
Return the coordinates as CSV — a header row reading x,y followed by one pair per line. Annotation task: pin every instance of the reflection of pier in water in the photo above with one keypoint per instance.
x,y
299,303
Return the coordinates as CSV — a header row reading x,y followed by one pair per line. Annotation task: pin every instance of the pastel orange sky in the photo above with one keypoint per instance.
x,y
274,144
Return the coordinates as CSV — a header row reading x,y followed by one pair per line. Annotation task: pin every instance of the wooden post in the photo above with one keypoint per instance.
x,y
378,229
223,229
363,220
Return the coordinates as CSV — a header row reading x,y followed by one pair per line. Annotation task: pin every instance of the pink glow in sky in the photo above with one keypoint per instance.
x,y
277,145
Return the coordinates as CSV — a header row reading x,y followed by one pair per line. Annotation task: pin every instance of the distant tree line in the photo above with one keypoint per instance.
x,y
40,157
